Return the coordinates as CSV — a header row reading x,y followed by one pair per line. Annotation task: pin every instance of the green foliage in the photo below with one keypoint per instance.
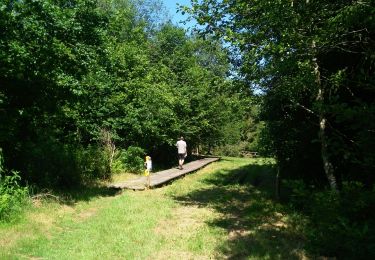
x,y
133,159
70,70
52,164
13,197
92,164
313,63
298,193
47,49
340,224
240,133
311,60
238,149
117,165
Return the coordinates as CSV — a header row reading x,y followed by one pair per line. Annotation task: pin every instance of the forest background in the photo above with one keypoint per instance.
x,y
87,88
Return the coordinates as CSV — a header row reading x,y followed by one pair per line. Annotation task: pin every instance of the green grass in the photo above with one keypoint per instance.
x,y
222,211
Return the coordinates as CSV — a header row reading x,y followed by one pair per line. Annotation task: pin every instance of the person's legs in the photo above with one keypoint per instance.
x,y
180,160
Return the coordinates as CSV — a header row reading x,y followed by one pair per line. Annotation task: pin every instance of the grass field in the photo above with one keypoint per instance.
x,y
224,211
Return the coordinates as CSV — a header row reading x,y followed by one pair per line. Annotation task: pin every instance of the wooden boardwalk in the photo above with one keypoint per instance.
x,y
159,178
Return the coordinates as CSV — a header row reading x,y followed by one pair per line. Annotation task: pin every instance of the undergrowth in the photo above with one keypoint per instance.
x,y
13,197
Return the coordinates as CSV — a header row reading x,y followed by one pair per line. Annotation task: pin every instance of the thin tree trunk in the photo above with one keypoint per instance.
x,y
277,183
328,167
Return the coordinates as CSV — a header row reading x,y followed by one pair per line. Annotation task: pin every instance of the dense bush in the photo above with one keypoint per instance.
x,y
13,196
92,164
129,160
341,224
49,163
70,73
234,150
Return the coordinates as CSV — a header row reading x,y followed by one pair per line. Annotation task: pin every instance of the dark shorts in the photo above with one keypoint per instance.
x,y
181,156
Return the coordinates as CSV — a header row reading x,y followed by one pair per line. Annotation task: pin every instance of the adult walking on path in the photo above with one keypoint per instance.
x,y
182,152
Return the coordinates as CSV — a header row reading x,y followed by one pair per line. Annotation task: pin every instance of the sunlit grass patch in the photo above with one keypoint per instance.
x,y
123,176
221,211
240,192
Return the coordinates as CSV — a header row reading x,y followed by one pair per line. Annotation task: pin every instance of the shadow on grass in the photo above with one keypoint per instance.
x,y
257,226
81,193
90,191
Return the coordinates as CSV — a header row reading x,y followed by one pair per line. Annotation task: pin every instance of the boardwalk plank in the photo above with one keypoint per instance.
x,y
159,178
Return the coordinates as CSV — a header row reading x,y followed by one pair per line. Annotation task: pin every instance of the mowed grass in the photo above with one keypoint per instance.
x,y
225,210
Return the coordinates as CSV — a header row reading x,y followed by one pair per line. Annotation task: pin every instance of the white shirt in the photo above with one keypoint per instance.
x,y
181,146
149,165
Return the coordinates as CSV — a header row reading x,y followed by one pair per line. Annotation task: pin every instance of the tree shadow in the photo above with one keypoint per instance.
x,y
257,226
79,193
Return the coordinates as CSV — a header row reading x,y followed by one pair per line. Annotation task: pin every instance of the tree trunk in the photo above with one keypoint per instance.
x,y
277,183
328,167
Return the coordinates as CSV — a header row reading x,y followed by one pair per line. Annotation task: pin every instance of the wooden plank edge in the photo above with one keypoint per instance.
x,y
183,174
140,188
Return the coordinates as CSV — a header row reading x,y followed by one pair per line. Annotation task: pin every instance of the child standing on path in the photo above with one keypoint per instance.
x,y
148,169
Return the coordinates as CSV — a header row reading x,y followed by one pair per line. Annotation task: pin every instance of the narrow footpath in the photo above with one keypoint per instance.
x,y
162,177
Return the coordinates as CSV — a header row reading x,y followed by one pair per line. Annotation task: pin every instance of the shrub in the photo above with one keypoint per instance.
x,y
233,150
49,163
132,159
298,194
118,165
13,197
341,224
92,163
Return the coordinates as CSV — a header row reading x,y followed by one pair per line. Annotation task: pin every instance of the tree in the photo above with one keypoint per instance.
x,y
47,48
287,48
82,80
